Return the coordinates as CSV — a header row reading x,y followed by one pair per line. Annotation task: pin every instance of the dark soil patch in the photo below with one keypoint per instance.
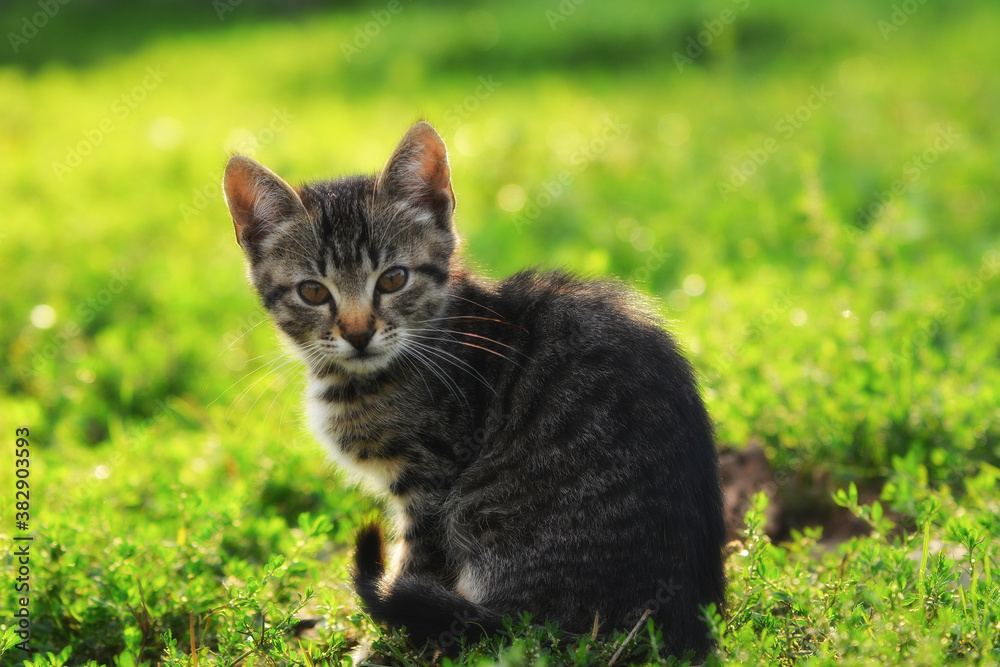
x,y
797,499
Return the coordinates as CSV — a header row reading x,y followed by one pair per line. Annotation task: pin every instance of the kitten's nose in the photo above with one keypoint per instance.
x,y
358,339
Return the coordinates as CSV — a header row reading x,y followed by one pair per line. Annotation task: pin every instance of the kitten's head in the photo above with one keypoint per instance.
x,y
350,270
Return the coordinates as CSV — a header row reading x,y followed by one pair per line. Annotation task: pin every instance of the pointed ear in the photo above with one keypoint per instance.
x,y
418,174
259,201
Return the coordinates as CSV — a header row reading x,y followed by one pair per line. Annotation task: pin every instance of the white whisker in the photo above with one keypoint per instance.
x,y
476,303
277,357
479,336
277,364
441,375
472,317
264,319
449,357
467,344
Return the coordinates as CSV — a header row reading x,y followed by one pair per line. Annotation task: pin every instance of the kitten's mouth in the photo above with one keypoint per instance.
x,y
368,352
365,362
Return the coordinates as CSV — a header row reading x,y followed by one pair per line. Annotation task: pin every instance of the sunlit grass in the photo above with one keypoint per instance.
x,y
168,445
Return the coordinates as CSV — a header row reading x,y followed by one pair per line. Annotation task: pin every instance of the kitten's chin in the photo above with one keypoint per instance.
x,y
368,364
361,365
325,360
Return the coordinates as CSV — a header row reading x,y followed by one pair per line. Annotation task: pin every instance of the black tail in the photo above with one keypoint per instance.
x,y
428,610
369,558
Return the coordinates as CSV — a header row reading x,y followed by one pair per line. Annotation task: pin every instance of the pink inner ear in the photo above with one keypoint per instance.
x,y
436,173
418,171
258,199
429,157
430,163
240,197
433,167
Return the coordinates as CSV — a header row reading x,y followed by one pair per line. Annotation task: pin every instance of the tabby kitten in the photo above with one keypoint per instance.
x,y
541,439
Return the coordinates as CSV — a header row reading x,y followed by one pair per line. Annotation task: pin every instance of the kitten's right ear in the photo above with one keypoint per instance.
x,y
418,175
258,199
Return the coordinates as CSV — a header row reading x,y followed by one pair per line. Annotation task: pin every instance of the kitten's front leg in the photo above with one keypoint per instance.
x,y
422,548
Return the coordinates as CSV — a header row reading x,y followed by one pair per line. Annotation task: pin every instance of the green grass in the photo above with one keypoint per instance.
x,y
177,501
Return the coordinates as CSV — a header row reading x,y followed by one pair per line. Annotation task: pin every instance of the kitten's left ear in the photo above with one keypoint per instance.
x,y
418,174
259,201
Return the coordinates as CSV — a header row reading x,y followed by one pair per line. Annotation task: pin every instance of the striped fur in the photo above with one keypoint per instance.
x,y
541,439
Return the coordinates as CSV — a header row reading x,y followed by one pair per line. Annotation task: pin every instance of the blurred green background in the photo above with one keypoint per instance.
x,y
808,191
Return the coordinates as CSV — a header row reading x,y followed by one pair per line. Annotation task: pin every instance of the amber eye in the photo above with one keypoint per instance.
x,y
391,280
313,292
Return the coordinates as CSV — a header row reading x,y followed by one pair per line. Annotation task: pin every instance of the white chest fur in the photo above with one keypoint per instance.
x,y
330,422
